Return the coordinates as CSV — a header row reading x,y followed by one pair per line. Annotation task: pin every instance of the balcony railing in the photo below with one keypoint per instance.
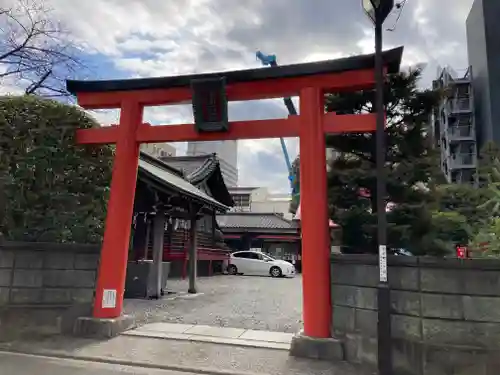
x,y
459,104
464,177
463,160
461,131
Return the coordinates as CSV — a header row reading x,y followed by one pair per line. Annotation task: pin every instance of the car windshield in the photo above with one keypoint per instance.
x,y
268,257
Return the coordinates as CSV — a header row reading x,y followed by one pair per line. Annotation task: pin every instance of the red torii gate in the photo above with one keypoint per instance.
x,y
309,81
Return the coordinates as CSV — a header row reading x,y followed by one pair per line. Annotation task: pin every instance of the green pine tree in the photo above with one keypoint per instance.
x,y
488,154
411,164
465,200
492,204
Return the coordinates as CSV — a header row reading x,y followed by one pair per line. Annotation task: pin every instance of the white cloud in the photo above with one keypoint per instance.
x,y
105,116
153,38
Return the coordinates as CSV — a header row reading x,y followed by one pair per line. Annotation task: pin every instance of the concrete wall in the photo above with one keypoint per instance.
x,y
43,287
263,201
445,313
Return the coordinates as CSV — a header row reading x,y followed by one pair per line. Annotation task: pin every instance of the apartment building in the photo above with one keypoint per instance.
x,y
455,127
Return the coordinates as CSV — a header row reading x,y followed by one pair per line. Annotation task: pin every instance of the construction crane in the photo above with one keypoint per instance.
x,y
270,60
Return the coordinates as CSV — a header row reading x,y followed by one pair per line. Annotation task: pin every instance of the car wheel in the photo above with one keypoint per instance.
x,y
232,270
275,272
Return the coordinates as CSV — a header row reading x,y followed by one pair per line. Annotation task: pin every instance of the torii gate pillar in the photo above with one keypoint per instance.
x,y
110,288
317,307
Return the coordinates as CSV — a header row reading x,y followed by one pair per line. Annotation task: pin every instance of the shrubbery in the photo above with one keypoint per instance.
x,y
51,189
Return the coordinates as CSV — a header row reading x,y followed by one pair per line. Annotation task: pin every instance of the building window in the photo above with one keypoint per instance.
x,y
241,201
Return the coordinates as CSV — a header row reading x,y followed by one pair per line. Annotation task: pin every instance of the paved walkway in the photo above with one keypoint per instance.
x,y
181,355
219,335
248,302
26,364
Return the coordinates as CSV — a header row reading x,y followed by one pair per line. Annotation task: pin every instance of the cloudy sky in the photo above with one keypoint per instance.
x,y
145,38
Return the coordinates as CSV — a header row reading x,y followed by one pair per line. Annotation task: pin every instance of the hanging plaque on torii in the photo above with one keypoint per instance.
x,y
210,104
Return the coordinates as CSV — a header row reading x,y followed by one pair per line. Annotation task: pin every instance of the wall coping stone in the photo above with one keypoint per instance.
x,y
426,262
45,246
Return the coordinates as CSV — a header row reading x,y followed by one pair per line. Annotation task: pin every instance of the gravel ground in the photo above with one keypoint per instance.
x,y
249,302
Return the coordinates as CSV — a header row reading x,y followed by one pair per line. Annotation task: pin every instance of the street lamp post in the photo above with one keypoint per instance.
x,y
377,11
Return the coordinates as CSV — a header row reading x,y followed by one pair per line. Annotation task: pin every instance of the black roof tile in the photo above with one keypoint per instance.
x,y
190,166
151,167
202,168
252,220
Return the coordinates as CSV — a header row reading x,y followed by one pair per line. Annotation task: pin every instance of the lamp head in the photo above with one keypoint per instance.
x,y
377,10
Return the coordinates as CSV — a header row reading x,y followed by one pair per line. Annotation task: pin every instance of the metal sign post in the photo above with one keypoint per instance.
x,y
377,11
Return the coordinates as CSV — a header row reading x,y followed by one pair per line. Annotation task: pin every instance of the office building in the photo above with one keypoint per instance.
x,y
483,33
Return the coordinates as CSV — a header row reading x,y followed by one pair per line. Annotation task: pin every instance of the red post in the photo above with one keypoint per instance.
x,y
314,217
114,254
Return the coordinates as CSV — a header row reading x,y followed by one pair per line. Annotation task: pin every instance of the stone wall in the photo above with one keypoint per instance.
x,y
45,286
445,313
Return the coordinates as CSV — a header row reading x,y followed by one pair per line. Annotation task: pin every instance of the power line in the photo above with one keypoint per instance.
x,y
399,9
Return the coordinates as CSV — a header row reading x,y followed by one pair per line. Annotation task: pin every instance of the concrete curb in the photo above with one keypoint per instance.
x,y
106,360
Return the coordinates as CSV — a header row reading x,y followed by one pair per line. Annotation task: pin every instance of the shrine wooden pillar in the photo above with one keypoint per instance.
x,y
158,238
193,250
139,239
145,249
314,216
114,253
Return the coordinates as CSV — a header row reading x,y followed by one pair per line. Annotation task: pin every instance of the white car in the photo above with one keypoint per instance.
x,y
256,263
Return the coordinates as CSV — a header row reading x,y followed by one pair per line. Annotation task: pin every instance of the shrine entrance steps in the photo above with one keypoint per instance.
x,y
216,335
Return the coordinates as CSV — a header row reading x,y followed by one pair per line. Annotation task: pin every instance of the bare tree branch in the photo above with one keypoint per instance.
x,y
36,54
36,85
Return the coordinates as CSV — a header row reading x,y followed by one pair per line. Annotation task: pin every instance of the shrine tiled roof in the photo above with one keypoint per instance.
x,y
194,168
202,168
252,220
153,168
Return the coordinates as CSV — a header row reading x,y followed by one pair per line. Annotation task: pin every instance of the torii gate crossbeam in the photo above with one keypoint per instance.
x,y
309,81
